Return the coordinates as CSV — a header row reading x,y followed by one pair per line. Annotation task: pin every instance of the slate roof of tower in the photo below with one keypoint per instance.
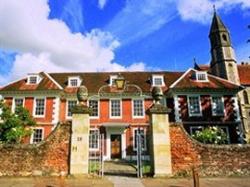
x,y
217,24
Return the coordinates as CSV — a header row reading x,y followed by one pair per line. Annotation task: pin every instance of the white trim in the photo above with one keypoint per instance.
x,y
72,78
34,107
115,117
98,140
145,138
53,80
208,75
111,77
66,112
14,103
38,78
179,79
31,137
112,131
98,112
177,108
143,108
212,103
200,108
197,73
158,77
236,109
56,110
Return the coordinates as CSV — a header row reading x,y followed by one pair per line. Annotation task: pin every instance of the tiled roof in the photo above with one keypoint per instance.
x,y
93,81
188,80
244,74
45,84
243,69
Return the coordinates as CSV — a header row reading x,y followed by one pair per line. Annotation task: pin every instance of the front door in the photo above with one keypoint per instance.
x,y
115,146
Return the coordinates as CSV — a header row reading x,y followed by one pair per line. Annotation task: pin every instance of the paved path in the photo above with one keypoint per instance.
x,y
117,181
120,181
119,168
204,182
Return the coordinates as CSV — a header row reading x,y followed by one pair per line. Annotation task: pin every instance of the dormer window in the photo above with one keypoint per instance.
x,y
201,76
74,81
158,80
112,79
33,79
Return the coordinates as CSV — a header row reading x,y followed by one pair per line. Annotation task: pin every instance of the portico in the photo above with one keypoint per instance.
x,y
115,140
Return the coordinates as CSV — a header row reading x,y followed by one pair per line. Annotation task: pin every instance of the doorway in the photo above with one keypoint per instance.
x,y
115,146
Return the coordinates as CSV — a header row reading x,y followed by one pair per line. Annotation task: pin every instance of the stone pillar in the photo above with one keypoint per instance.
x,y
79,150
160,141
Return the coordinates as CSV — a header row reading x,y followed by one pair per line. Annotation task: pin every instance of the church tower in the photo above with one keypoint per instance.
x,y
223,62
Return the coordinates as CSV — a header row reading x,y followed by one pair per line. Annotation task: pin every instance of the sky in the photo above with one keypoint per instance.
x,y
113,35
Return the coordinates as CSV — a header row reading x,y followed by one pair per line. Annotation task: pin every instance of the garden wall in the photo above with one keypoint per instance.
x,y
50,157
211,160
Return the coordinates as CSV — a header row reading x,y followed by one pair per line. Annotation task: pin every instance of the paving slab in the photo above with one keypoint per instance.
x,y
54,182
204,182
121,181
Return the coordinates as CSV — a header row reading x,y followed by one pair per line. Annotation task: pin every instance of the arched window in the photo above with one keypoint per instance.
x,y
224,37
245,96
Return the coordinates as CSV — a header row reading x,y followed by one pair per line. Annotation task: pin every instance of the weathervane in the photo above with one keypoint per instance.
x,y
214,7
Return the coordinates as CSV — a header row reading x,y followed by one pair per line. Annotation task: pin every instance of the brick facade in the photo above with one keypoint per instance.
x,y
212,160
50,157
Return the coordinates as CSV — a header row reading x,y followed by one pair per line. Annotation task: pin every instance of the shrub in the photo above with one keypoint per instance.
x,y
211,135
14,126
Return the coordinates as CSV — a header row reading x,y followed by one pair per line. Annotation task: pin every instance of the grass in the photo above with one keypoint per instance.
x,y
94,166
146,167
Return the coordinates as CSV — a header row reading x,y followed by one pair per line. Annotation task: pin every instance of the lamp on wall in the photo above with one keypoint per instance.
x,y
120,81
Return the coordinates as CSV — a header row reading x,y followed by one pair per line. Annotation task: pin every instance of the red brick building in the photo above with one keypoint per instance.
x,y
195,98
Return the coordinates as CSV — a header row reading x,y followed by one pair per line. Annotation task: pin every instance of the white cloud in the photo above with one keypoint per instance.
x,y
139,18
102,3
45,44
201,10
73,15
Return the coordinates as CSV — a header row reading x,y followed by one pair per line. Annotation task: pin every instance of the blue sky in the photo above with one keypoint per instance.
x,y
113,35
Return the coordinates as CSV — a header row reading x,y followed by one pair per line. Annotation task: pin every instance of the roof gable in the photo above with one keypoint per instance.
x,y
21,85
187,81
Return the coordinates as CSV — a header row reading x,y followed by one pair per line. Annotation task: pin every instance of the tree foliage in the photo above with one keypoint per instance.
x,y
14,126
211,135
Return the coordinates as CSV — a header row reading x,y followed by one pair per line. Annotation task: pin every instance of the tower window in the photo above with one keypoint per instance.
x,y
224,37
246,101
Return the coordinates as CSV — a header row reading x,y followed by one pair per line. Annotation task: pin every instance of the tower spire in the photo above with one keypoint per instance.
x,y
223,62
214,8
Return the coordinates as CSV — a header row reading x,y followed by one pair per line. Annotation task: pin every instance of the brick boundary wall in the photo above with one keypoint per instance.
x,y
211,160
50,157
